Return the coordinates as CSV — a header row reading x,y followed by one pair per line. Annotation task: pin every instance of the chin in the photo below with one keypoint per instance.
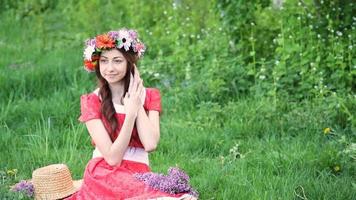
x,y
112,81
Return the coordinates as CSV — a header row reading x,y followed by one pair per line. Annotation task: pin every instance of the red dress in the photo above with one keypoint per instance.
x,y
102,181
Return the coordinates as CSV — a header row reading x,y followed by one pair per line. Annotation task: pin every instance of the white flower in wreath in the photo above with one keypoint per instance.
x,y
124,40
88,52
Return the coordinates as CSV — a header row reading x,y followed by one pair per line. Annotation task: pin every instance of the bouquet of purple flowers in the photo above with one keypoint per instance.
x,y
177,181
24,187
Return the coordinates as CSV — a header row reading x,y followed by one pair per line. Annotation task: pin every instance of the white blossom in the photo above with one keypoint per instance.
x,y
88,52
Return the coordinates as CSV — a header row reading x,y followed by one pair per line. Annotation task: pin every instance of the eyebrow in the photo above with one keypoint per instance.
x,y
113,57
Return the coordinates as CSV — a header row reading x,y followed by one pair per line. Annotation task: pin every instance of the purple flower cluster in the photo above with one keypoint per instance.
x,y
177,181
90,42
114,34
25,187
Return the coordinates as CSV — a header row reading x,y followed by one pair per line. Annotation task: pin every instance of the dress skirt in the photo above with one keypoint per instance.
x,y
102,181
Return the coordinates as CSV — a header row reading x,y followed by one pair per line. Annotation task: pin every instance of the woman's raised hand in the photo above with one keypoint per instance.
x,y
132,99
137,73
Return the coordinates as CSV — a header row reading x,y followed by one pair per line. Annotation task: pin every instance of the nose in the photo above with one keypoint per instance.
x,y
110,66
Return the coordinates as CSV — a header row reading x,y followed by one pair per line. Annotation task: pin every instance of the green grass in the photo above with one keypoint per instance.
x,y
242,147
284,151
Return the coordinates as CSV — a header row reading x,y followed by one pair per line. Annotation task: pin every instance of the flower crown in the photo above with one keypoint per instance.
x,y
123,38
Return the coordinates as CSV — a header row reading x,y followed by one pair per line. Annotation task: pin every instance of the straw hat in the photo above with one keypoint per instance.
x,y
54,182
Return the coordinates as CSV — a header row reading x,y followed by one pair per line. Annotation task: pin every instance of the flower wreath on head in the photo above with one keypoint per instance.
x,y
123,38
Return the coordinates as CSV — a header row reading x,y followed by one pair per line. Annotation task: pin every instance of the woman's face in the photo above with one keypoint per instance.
x,y
113,65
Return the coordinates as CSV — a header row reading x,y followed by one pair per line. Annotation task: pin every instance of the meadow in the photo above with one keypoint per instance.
x,y
258,96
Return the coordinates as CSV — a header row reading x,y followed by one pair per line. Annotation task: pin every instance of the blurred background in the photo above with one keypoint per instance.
x,y
258,96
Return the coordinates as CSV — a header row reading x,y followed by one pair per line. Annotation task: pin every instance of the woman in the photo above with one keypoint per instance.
x,y
122,118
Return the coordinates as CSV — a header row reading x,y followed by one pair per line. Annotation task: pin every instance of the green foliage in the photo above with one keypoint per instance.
x,y
299,49
295,48
258,97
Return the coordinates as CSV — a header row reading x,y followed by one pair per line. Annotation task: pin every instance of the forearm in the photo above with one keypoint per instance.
x,y
118,148
147,131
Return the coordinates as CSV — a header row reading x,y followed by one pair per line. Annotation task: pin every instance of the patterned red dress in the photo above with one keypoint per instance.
x,y
102,181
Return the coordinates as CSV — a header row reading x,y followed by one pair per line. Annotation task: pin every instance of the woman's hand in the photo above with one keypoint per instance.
x,y
132,99
137,74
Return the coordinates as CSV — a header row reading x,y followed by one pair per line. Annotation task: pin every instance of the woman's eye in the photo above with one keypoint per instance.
x,y
117,61
103,61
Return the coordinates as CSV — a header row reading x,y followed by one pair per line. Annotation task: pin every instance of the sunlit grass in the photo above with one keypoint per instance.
x,y
233,147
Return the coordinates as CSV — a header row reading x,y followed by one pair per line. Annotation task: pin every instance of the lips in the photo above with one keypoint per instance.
x,y
111,74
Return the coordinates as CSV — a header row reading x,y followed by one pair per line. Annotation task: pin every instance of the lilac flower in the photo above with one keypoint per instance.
x,y
24,187
114,34
90,42
178,173
175,182
133,34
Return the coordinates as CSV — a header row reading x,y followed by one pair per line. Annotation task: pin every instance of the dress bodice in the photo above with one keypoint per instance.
x,y
91,109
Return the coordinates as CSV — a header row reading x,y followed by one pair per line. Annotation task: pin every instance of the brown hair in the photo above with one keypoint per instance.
x,y
107,106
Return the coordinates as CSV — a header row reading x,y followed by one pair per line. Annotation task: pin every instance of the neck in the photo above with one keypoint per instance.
x,y
117,89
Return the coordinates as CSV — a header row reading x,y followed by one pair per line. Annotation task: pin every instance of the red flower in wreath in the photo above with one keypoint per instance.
x,y
104,42
89,65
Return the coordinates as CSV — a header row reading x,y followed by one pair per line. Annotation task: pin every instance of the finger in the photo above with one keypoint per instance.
x,y
128,95
141,90
142,84
125,98
139,84
137,73
135,83
137,89
131,83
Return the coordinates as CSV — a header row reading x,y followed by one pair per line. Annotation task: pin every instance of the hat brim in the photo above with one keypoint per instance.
x,y
76,186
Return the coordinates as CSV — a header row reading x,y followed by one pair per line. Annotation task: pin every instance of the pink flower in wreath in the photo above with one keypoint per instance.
x,y
139,48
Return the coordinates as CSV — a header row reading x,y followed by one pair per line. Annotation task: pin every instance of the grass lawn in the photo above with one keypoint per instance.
x,y
246,149
237,146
